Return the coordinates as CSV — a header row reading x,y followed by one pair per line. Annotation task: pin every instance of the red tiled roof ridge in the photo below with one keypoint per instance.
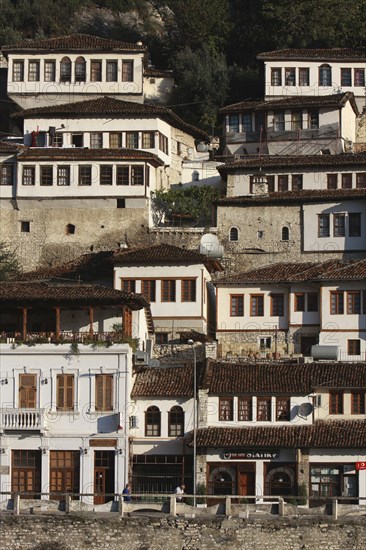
x,y
315,52
74,42
294,197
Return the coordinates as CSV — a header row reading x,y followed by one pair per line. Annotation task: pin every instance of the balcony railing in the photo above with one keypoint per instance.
x,y
22,419
65,337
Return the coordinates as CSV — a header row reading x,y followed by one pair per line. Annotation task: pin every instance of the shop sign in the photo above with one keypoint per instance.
x,y
250,454
360,465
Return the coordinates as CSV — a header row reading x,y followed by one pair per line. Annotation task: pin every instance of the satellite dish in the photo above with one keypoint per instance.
x,y
305,409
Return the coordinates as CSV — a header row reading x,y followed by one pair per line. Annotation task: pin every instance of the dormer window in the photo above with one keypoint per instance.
x,y
325,75
65,69
80,69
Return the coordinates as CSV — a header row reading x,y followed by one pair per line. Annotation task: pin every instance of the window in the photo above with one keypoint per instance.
x,y
127,71
152,422
168,290
25,227
359,75
6,174
245,409
188,290
358,402
353,302
106,175
46,175
279,121
336,302
65,392
282,183
176,422
123,175
247,122
256,305
296,182
29,173
264,409
104,392
70,229
277,304
282,408
325,75
276,76
148,140
339,225
313,301
77,140
132,140
65,69
148,289
271,184
63,175
285,234
299,302
128,285
234,234
121,203
161,338
112,71
323,225
259,124
313,120
80,69
361,180
96,71
27,391
115,140
332,181
296,120
290,76
49,71
304,79
354,224
346,77
96,140
33,71
57,140
18,71
226,409
336,402
236,305
346,181
265,343
163,143
354,347
137,175
85,175
233,123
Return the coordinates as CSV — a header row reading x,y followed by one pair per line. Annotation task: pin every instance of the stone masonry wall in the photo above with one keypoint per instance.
x,y
113,533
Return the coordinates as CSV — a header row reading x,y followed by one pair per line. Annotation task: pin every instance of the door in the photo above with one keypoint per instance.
x,y
99,485
27,391
246,483
103,476
26,473
64,473
306,343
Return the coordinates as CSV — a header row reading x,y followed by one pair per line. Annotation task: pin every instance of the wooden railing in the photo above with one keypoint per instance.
x,y
64,337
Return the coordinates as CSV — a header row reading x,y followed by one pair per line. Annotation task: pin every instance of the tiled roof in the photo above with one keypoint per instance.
x,y
332,100
64,293
7,148
323,434
223,378
343,160
295,197
80,153
163,382
331,270
73,43
157,73
109,106
324,54
165,254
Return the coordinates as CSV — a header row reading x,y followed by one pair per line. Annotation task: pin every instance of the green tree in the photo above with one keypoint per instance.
x,y
9,266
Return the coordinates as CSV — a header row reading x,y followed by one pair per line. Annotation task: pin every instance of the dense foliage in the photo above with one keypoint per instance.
x,y
9,266
211,44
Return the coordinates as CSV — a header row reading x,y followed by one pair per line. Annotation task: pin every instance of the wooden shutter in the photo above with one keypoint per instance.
x,y
27,391
65,392
104,392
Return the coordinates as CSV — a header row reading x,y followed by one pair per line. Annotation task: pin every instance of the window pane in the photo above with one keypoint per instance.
x,y
112,71
346,181
33,71
63,175
226,409
290,76
85,175
46,175
123,175
346,77
325,75
137,175
168,290
96,71
188,290
233,123
106,175
339,225
361,180
276,77
354,220
296,120
304,76
148,140
282,183
115,140
323,225
80,70
18,71
28,175
50,71
237,306
6,174
96,140
359,77
65,70
127,71
332,181
132,140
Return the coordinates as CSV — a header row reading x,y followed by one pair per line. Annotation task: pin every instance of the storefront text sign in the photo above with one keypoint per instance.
x,y
250,454
360,465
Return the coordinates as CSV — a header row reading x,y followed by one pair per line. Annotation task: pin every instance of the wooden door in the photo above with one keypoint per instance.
x,y
103,476
99,485
246,483
306,343
27,391
26,473
64,473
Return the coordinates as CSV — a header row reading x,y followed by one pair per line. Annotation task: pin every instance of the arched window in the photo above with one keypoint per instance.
x,y
325,75
65,69
70,229
234,234
285,234
176,422
152,422
80,69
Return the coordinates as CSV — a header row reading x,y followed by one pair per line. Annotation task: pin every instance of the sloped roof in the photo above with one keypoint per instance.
x,y
151,72
109,106
8,148
163,382
165,254
322,434
286,102
294,197
316,54
73,43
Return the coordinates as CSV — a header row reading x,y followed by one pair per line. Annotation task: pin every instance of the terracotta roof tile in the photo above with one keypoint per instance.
x,y
324,54
323,434
109,106
149,72
71,153
73,42
164,382
164,254
295,197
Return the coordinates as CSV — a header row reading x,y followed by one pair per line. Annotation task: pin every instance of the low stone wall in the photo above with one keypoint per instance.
x,y
113,533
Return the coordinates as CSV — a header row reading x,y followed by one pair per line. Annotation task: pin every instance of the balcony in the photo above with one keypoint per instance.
x,y
23,420
68,337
